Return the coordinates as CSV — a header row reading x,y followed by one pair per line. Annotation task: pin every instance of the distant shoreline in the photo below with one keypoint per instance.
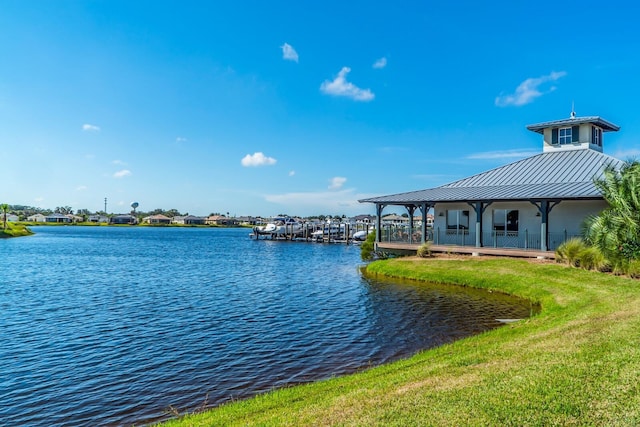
x,y
15,230
102,224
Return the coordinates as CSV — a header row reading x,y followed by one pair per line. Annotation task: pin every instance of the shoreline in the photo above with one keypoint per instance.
x,y
567,364
15,230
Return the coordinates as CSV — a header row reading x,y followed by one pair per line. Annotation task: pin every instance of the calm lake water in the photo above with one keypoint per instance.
x,y
113,326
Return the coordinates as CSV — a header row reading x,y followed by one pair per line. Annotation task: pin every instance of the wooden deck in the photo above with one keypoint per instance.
x,y
510,252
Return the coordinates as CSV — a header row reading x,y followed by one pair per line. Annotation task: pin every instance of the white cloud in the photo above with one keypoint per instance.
x,y
257,159
81,188
122,173
90,128
380,63
118,162
341,87
181,139
529,90
291,173
505,154
38,199
337,182
289,53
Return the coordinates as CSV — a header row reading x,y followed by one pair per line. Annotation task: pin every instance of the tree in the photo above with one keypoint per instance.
x,y
616,230
4,208
367,248
171,213
64,210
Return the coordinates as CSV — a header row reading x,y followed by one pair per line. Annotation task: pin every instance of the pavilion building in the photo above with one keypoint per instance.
x,y
534,203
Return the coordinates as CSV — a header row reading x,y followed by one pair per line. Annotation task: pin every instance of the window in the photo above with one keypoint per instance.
x,y
564,136
596,136
457,220
505,221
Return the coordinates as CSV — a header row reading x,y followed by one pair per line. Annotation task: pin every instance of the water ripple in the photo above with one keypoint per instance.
x,y
112,326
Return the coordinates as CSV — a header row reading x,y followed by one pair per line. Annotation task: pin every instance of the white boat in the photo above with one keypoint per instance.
x,y
280,226
360,235
330,230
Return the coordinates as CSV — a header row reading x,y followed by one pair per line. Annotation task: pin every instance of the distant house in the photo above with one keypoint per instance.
x,y
10,217
75,218
57,218
123,219
430,220
394,219
363,219
193,220
178,219
221,220
157,219
37,218
248,220
98,218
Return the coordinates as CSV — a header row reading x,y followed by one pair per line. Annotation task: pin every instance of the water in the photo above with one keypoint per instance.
x,y
114,326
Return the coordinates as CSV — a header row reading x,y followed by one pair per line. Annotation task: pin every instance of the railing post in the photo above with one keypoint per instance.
x,y
526,238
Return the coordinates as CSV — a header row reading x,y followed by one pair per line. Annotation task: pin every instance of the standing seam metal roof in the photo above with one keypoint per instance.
x,y
596,120
550,175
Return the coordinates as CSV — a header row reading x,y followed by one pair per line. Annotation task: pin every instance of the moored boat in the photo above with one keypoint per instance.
x,y
280,226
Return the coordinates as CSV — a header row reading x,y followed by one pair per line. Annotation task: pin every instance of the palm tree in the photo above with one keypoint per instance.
x,y
616,230
4,208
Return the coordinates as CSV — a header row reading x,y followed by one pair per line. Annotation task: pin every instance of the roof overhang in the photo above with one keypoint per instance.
x,y
505,193
594,120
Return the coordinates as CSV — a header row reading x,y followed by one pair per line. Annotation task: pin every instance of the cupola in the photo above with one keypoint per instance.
x,y
574,133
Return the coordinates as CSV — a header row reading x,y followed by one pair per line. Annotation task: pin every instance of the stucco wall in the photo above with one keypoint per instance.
x,y
584,140
567,216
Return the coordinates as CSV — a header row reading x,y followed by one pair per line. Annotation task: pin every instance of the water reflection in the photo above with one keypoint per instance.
x,y
111,326
410,315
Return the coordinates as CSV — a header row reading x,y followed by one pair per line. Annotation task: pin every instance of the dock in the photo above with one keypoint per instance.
x,y
317,233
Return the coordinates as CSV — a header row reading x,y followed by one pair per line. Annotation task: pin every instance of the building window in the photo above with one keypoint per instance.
x,y
564,136
596,136
505,221
457,220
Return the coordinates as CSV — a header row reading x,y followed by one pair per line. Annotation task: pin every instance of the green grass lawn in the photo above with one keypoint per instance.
x,y
577,362
14,230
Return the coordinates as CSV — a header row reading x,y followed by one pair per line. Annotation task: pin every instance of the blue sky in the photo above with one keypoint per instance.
x,y
261,108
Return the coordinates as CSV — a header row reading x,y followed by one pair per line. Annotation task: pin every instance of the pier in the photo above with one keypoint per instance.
x,y
311,232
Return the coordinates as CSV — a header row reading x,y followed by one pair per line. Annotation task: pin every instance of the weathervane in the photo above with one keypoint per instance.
x,y
573,110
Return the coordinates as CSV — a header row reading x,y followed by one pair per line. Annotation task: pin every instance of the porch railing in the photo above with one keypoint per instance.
x,y
524,239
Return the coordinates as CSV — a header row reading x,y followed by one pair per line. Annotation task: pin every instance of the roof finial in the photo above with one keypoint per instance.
x,y
573,110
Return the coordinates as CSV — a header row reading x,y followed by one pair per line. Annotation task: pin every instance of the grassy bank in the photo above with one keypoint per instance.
x,y
14,230
576,363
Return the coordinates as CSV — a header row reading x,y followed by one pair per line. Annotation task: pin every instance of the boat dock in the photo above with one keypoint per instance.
x,y
318,233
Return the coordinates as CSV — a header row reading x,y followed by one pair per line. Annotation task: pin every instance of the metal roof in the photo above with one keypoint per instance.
x,y
596,120
552,175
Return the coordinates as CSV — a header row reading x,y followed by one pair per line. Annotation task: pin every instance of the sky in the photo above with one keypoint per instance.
x,y
298,108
